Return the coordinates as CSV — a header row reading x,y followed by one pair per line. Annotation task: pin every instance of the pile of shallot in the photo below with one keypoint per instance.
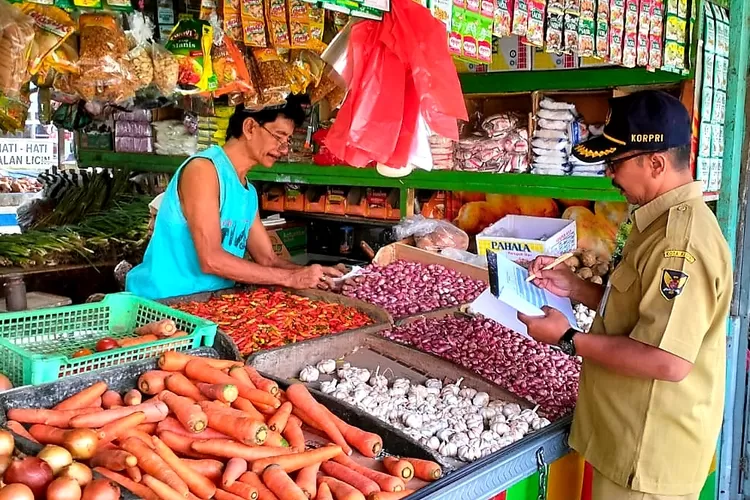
x,y
530,370
455,421
404,288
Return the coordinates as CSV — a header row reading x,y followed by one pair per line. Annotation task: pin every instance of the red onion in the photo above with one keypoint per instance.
x,y
404,288
528,369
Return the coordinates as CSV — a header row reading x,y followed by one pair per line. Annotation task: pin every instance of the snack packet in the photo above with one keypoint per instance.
x,y
278,29
229,66
16,37
602,29
273,80
166,69
64,59
51,27
502,19
306,23
535,24
253,23
190,43
139,57
520,18
232,20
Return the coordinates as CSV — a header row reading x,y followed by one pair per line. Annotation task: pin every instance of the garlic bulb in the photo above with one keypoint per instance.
x,y
528,415
488,413
511,410
481,399
339,394
309,374
488,436
500,428
433,443
378,381
326,366
520,425
474,420
468,393
360,393
448,449
445,434
328,386
539,423
413,420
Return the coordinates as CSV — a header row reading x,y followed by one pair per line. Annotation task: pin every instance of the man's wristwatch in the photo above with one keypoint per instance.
x,y
566,343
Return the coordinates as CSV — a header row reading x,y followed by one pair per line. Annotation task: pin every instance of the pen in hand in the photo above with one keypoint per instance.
x,y
552,265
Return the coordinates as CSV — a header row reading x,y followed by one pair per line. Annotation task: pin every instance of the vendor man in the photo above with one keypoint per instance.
x,y
651,392
208,218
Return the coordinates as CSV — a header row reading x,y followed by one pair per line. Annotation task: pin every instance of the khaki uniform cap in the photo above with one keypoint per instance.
x,y
672,290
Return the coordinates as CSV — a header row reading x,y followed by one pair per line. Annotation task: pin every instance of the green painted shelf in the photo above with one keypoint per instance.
x,y
551,186
561,80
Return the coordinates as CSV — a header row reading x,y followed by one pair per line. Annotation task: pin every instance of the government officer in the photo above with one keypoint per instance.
x,y
652,384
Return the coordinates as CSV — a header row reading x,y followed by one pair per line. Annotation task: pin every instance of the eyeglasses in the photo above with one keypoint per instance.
x,y
613,164
284,144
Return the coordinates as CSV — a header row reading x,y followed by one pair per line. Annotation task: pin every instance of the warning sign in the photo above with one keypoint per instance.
x,y
18,154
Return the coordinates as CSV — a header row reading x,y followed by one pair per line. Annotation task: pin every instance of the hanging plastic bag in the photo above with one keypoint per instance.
x,y
16,36
51,27
229,66
139,57
166,70
273,79
432,234
190,42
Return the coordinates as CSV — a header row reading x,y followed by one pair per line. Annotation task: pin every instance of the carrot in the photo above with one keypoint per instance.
x,y
235,424
278,420
402,469
56,418
202,372
19,429
266,409
304,418
212,469
162,490
353,478
301,397
426,470
198,484
181,445
135,433
262,382
187,412
151,463
297,461
82,399
173,361
386,482
275,439
249,408
242,490
324,492
154,409
225,495
254,480
307,479
174,425
97,403
226,393
226,448
147,428
132,397
294,436
239,373
162,328
114,429
235,468
133,341
183,386
279,482
113,459
134,473
367,443
390,495
152,381
111,399
341,490
138,489
46,434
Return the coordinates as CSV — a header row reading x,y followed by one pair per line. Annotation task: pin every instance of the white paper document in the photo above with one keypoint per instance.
x,y
515,295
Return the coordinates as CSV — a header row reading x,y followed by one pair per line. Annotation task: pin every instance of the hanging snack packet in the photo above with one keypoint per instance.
x,y
570,26
278,29
208,7
87,4
306,23
51,27
166,69
644,28
520,18
655,46
64,59
232,20
602,29
586,29
16,37
273,80
535,25
323,88
190,43
630,36
616,31
139,57
229,66
502,19
253,23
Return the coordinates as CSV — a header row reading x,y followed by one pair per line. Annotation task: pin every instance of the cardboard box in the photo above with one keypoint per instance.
x,y
399,251
356,202
294,198
532,236
336,201
288,241
273,198
315,199
377,203
434,205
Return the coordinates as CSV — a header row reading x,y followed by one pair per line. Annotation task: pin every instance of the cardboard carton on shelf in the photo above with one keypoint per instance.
x,y
356,202
294,198
336,201
315,199
521,238
272,198
383,204
289,241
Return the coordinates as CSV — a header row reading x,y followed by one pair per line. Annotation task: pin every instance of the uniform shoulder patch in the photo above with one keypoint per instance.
x,y
679,254
673,283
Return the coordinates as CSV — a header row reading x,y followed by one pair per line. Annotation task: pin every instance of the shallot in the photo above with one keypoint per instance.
x,y
405,288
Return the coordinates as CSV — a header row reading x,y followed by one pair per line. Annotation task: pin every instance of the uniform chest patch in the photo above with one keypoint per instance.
x,y
673,283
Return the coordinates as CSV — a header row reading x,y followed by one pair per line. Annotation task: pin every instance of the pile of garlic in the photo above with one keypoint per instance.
x,y
455,421
584,317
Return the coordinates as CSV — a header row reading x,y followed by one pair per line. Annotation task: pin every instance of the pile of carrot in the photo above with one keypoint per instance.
x,y
207,428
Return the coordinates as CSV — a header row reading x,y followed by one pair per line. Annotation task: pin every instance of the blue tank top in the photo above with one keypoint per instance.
x,y
170,266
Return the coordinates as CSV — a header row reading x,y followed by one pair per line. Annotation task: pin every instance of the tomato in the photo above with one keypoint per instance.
x,y
106,344
82,352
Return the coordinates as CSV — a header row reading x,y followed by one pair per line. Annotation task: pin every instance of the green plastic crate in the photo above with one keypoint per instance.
x,y
35,346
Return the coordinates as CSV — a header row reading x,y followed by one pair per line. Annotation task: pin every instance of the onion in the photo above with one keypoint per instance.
x,y
7,444
56,456
101,489
16,491
64,488
5,383
4,463
81,443
78,471
31,471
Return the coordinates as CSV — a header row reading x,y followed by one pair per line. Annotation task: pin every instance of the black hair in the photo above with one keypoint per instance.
x,y
681,157
293,110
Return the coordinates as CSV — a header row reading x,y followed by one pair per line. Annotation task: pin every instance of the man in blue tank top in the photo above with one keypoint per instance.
x,y
208,218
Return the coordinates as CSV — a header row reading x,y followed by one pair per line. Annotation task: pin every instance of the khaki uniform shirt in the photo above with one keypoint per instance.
x,y
672,290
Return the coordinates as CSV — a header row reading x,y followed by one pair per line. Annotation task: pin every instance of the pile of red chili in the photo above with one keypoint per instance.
x,y
264,318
